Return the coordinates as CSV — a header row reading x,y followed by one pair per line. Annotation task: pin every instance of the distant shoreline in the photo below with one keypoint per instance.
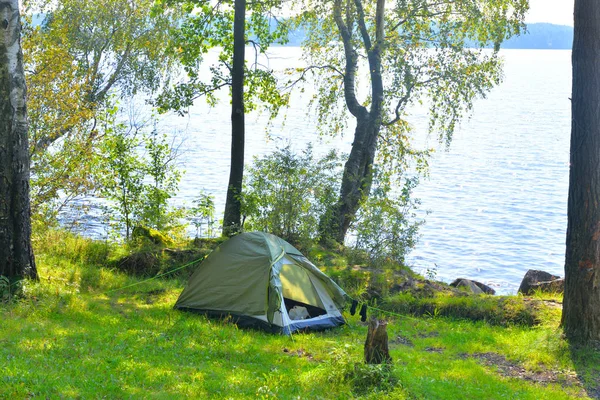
x,y
543,36
539,36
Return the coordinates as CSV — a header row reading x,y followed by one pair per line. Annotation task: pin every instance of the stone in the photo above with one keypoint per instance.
x,y
469,285
555,286
483,287
533,277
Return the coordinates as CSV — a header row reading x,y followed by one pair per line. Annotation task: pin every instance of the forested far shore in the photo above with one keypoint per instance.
x,y
542,36
537,36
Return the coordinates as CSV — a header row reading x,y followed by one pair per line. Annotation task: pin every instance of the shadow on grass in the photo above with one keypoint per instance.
x,y
586,360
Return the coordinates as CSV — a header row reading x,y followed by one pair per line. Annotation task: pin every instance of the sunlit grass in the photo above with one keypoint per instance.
x,y
71,337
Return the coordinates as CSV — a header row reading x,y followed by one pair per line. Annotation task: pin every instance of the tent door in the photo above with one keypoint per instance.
x,y
312,310
298,290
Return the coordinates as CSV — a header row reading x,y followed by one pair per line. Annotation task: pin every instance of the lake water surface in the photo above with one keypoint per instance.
x,y
496,198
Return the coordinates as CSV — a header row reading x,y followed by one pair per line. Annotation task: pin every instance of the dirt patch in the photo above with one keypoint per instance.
x,y
434,349
510,369
403,340
299,353
424,335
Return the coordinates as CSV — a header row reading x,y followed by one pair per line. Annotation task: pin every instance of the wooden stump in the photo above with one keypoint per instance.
x,y
376,345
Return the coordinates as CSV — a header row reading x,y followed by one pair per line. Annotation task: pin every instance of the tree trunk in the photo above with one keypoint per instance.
x,y
232,216
358,171
356,181
581,306
16,254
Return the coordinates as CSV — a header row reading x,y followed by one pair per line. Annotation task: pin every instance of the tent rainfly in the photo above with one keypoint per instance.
x,y
262,281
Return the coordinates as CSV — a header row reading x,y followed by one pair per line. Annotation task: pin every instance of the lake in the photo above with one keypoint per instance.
x,y
497,198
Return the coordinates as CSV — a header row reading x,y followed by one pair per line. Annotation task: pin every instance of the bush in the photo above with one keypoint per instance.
x,y
203,214
286,193
164,176
386,228
138,185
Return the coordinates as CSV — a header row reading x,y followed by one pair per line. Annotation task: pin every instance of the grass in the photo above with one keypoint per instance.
x,y
69,337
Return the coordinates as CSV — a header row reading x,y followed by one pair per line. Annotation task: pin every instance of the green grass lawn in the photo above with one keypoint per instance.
x,y
69,338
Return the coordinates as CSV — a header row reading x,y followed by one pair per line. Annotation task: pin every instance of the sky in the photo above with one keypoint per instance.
x,y
554,11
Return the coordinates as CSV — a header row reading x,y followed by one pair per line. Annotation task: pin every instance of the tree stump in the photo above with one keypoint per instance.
x,y
376,345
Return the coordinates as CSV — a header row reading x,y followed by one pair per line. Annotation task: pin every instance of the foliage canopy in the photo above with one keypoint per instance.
x,y
408,53
208,27
426,54
82,58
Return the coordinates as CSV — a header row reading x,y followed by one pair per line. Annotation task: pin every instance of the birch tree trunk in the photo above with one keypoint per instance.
x,y
358,170
581,306
16,254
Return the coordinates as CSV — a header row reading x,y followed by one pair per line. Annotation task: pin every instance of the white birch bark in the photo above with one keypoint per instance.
x,y
16,254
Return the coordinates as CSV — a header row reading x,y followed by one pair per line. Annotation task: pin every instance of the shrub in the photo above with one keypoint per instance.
x,y
138,178
160,169
203,214
286,193
121,176
386,228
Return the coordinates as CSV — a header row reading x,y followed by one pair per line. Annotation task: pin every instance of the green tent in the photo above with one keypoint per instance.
x,y
263,281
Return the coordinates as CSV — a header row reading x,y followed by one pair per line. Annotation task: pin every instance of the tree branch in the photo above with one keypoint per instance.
x,y
362,26
307,69
352,103
115,75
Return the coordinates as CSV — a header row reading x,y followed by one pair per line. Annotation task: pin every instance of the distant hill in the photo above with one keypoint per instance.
x,y
538,36
542,36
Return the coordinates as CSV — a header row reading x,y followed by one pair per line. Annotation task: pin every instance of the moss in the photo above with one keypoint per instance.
x,y
143,234
207,243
